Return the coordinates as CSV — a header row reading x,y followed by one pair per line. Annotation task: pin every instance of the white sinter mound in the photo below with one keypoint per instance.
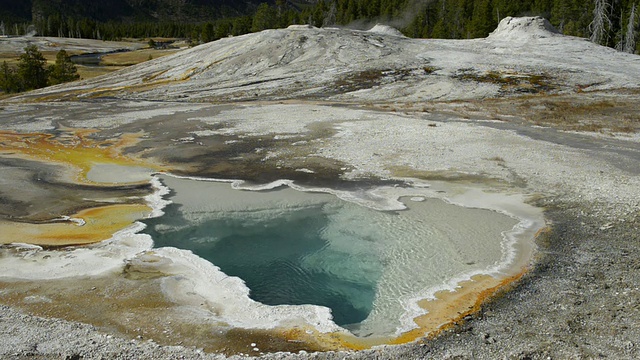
x,y
515,29
376,65
386,30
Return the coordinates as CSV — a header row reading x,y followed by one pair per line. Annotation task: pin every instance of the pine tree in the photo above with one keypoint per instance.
x,y
264,18
9,82
481,22
63,70
207,33
31,68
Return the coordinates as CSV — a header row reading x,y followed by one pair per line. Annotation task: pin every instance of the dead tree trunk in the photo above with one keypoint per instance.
x,y
601,23
630,36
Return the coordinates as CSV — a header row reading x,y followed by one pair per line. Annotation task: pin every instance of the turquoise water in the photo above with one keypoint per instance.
x,y
369,267
274,257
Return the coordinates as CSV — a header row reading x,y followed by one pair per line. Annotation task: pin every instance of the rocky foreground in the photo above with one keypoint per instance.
x,y
525,110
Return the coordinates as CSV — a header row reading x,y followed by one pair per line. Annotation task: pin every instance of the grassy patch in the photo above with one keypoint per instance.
x,y
361,80
134,57
430,69
577,115
606,111
88,72
374,77
509,82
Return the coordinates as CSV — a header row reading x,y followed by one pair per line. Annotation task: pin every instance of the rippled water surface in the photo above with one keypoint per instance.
x,y
292,247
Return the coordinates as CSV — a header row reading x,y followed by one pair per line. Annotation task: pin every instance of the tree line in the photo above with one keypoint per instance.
x,y
32,71
611,23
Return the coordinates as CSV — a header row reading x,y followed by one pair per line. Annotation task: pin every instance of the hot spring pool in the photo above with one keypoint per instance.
x,y
370,267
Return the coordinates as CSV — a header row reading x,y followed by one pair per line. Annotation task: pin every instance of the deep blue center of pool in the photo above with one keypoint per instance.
x,y
280,259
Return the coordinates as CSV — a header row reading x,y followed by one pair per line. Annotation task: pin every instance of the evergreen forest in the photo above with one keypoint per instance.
x,y
613,23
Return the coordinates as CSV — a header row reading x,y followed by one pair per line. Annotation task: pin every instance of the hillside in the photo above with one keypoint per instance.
x,y
524,55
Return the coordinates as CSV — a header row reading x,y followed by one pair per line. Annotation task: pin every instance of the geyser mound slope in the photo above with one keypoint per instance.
x,y
524,28
386,30
297,61
347,65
